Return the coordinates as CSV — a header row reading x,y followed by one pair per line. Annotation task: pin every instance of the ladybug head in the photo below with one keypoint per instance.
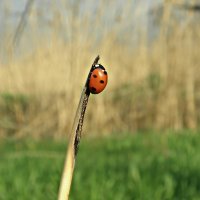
x,y
98,79
98,66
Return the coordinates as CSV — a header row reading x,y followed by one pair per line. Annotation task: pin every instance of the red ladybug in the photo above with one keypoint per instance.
x,y
98,79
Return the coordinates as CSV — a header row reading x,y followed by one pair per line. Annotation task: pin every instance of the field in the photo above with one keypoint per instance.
x,y
151,55
144,166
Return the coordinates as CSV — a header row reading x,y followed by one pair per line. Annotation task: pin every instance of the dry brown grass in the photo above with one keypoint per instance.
x,y
148,88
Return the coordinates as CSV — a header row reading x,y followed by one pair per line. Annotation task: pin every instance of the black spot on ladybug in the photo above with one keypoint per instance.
x,y
95,76
105,72
101,81
93,89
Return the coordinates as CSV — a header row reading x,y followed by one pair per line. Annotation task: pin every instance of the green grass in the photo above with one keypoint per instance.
x,y
144,166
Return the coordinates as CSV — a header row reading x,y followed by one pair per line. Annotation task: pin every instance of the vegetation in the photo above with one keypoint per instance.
x,y
143,166
152,59
153,70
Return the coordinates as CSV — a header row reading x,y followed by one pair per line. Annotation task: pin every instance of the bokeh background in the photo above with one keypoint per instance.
x,y
140,136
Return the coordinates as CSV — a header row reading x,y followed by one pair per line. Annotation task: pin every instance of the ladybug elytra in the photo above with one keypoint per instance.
x,y
98,79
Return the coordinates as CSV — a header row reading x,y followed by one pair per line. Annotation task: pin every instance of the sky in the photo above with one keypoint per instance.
x,y
138,16
10,11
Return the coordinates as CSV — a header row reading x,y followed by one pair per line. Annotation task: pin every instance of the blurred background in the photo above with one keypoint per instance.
x,y
143,127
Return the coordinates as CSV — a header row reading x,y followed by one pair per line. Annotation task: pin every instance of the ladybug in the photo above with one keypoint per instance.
x,y
98,79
